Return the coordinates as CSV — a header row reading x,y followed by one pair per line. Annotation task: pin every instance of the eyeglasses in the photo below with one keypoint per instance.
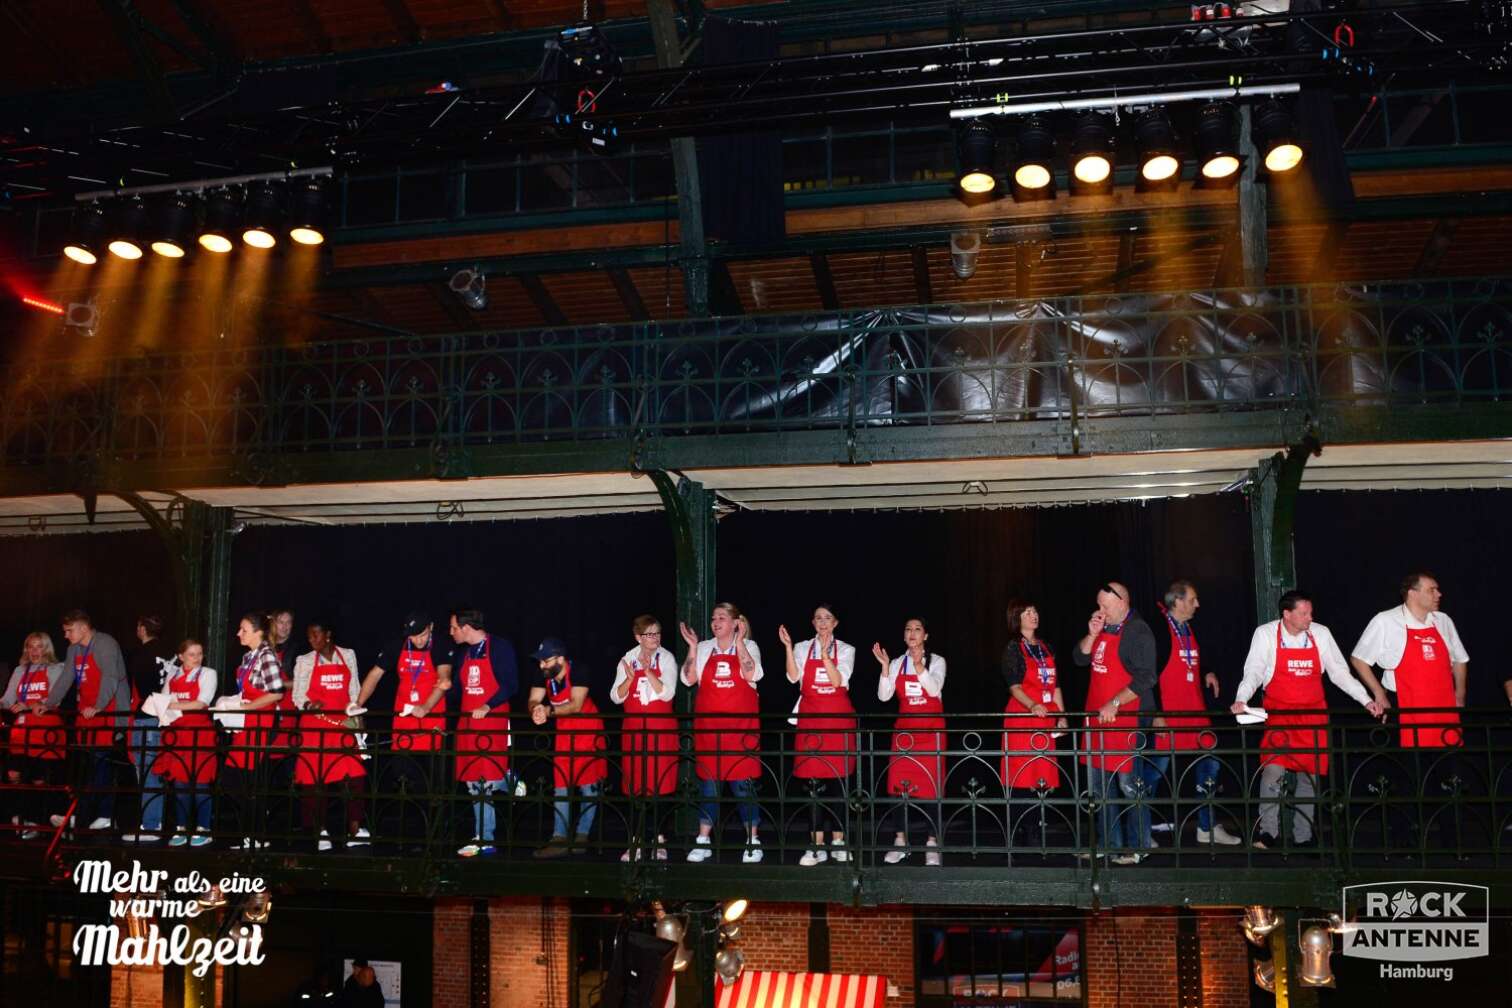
x,y
650,633
1112,591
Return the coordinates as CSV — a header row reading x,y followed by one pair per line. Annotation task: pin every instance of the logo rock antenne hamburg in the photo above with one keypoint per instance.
x,y
1403,904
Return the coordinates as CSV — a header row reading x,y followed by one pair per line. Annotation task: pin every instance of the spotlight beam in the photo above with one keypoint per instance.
x,y
1126,101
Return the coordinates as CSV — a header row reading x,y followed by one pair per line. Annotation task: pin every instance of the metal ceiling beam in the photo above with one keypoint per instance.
x,y
211,34
824,281
628,294
922,286
695,261
1439,241
551,312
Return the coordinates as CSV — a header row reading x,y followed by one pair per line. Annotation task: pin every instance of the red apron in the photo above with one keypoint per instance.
x,y
1425,678
1181,690
1027,733
1296,684
1110,748
188,752
916,769
250,745
328,748
650,737
578,747
37,736
417,680
98,730
826,744
723,743
488,735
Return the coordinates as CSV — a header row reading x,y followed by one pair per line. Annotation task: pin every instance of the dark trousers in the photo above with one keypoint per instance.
x,y
825,812
36,806
406,803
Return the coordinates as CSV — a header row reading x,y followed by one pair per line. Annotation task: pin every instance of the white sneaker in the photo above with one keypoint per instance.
x,y
839,853
813,857
31,832
896,856
752,853
199,840
1128,859
1219,835
58,821
140,838
471,848
661,853
1161,827
325,841
931,857
102,823
702,850
362,839
179,838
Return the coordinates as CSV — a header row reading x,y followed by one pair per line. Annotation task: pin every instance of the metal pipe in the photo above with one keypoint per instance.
x,y
1154,98
199,185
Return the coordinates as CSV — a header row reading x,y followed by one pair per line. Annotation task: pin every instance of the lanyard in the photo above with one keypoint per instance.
x,y
1183,641
834,649
81,663
1035,652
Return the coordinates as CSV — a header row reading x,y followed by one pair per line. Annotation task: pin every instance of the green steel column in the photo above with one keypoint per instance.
x,y
690,509
1273,487
1253,238
694,253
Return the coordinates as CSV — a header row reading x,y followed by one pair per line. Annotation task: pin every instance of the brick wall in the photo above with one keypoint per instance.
x,y
451,963
878,940
774,936
524,971
137,987
1225,960
1129,959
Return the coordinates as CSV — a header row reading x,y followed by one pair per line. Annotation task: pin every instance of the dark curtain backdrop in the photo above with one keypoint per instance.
x,y
584,579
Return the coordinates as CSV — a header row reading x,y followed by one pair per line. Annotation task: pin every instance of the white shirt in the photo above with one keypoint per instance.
x,y
666,671
932,678
1385,640
706,648
205,679
1260,665
304,668
844,658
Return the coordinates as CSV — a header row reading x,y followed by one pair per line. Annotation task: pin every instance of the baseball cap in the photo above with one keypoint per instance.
x,y
416,622
551,647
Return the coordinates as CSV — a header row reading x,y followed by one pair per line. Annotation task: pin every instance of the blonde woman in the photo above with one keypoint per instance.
x,y
38,739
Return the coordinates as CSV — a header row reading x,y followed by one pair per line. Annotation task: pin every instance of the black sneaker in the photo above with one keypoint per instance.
x,y
1266,841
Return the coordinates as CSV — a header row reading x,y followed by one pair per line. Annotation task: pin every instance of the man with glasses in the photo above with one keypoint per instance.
x,y
1120,648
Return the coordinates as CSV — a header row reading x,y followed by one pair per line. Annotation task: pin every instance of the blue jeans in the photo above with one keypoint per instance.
x,y
563,805
745,790
1121,824
193,807
485,820
1204,772
145,739
98,798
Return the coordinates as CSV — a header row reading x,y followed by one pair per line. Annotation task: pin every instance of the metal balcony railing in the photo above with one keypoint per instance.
x,y
1378,802
1058,360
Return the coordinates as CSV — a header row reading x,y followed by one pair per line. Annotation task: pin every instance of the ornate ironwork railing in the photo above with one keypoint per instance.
x,y
975,794
1138,355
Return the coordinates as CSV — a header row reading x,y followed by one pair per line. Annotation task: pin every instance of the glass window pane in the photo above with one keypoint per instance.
x,y
861,160
370,200
491,190
422,197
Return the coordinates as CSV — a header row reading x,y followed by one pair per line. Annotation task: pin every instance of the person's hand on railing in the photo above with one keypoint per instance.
x,y
880,653
1376,709
1158,722
538,714
17,708
1108,713
480,712
1211,680
1038,710
88,712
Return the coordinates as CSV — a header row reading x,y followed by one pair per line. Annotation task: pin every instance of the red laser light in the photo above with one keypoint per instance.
x,y
45,305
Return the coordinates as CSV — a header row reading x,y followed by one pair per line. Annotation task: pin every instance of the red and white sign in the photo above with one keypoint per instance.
x,y
770,989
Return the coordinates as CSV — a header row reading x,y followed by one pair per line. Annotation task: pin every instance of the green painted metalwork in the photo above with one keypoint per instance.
x,y
1272,493
1362,362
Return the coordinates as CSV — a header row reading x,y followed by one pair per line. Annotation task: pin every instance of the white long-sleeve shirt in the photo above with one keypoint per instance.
x,y
304,668
1260,665
843,654
932,678
204,678
1385,640
666,671
705,648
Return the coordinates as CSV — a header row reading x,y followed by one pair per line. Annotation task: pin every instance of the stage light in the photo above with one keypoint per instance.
x,y
221,217
261,215
1092,150
1157,148
89,226
212,898
964,247
257,908
173,222
1317,946
976,159
1217,144
728,964
1277,137
127,221
307,224
468,285
1034,159
43,304
1258,923
734,910
1265,975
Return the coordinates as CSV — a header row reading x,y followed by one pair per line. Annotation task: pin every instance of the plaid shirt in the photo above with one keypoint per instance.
x,y
262,670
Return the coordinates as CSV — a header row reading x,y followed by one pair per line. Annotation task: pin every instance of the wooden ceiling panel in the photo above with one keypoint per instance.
x,y
1293,250
775,285
412,307
995,277
874,278
1069,265
1381,250
587,298
1481,246
661,290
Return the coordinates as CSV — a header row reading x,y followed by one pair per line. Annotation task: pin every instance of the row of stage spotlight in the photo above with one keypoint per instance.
x,y
1093,146
170,223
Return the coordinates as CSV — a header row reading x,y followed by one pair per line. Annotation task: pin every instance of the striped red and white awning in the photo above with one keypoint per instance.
x,y
772,989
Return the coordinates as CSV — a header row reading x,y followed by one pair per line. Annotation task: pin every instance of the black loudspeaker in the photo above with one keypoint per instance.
x,y
641,973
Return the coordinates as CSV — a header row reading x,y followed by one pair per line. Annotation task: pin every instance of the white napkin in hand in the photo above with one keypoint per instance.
x,y
228,712
157,705
1251,715
409,711
355,711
